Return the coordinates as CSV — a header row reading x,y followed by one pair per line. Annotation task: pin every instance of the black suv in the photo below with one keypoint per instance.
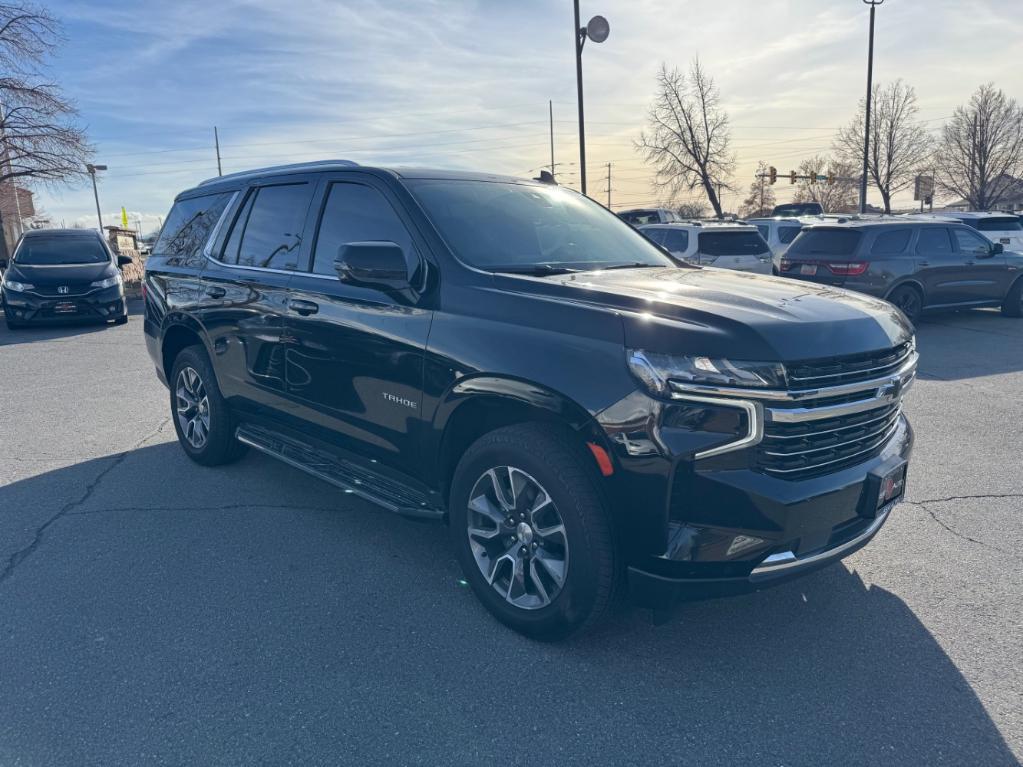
x,y
512,359
917,265
57,275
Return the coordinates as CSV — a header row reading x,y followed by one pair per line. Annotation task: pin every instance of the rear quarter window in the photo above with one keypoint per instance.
x,y
189,225
787,234
891,243
732,243
826,242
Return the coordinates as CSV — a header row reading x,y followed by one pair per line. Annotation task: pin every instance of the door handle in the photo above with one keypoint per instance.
x,y
304,308
923,263
216,292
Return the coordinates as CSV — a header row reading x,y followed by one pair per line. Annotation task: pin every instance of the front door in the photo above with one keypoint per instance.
x,y
986,274
355,353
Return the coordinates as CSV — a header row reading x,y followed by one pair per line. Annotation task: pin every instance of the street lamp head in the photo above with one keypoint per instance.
x,y
597,29
93,168
873,2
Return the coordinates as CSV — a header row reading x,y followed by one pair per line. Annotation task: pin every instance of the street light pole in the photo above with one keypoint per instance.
x,y
597,30
866,128
95,191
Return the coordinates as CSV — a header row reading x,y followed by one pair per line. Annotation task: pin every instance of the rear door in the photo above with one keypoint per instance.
x,y
355,353
987,274
245,287
941,268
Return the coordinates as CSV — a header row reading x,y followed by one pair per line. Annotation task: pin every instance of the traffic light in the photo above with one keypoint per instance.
x,y
772,173
792,177
812,176
831,177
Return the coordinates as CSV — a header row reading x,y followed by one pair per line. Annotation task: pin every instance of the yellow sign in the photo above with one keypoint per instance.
x,y
124,218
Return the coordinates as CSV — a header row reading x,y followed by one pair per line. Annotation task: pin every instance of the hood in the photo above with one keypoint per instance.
x,y
61,275
734,314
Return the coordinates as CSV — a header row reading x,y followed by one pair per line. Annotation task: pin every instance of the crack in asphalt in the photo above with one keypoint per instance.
x,y
982,496
25,552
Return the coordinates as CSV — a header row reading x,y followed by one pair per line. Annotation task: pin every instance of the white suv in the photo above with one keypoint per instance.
x,y
718,244
1004,228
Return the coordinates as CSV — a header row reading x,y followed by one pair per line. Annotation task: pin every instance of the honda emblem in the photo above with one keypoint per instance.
x,y
63,289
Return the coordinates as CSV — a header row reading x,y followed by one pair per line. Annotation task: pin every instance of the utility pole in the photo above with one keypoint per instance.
x,y
216,140
866,128
609,186
550,110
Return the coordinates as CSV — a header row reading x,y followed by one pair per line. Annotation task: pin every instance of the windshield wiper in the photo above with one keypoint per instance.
x,y
535,270
633,265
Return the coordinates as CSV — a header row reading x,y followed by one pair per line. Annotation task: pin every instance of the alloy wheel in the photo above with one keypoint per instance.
x,y
193,407
517,537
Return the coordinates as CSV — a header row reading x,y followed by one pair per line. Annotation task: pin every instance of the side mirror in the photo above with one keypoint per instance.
x,y
3,263
124,261
997,248
378,264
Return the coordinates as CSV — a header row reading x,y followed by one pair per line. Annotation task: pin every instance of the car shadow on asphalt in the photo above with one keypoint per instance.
x,y
287,590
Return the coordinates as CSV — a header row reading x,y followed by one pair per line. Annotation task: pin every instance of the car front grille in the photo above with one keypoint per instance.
x,y
53,291
835,413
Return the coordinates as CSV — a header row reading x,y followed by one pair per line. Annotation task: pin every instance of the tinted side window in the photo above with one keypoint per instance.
x,y
765,231
787,234
934,240
657,235
891,243
234,239
676,240
355,213
273,232
970,242
189,224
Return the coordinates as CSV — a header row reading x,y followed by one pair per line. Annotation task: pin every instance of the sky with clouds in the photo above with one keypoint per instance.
x,y
465,83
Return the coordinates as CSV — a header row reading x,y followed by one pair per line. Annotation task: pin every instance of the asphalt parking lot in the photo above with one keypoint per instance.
x,y
154,611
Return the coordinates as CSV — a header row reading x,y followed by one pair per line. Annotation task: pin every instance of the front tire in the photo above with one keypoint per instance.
x,y
532,531
1013,305
202,419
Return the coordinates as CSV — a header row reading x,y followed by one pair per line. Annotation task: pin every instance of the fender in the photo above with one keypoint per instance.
x,y
907,281
514,391
178,319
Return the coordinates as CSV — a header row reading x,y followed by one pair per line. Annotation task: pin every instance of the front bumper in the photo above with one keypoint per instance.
x,y
98,305
784,529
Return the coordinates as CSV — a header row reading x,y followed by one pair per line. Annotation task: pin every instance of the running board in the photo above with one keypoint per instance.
x,y
345,474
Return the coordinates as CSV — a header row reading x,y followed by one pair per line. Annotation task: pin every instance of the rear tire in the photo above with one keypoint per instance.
x,y
202,419
537,545
909,300
1013,305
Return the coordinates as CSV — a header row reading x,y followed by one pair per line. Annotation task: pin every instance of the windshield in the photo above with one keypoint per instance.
x,y
798,209
997,224
732,244
500,226
57,251
825,242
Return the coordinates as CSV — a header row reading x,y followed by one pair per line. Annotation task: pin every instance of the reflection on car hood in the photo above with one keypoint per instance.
x,y
60,275
728,313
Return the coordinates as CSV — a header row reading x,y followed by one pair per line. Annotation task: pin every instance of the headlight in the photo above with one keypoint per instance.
x,y
109,282
655,370
17,287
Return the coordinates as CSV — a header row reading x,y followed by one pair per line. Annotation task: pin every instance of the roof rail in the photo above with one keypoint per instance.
x,y
293,168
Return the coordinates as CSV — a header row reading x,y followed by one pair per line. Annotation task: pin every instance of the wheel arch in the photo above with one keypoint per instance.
x,y
475,406
179,332
911,282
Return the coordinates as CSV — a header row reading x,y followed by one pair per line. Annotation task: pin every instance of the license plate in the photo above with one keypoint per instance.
x,y
66,307
893,487
1005,240
809,269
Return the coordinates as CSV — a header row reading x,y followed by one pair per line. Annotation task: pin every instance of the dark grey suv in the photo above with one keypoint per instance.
x,y
918,266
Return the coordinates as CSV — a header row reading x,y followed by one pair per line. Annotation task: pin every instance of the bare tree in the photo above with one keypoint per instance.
x,y
837,197
691,209
39,133
980,153
688,137
761,198
899,145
